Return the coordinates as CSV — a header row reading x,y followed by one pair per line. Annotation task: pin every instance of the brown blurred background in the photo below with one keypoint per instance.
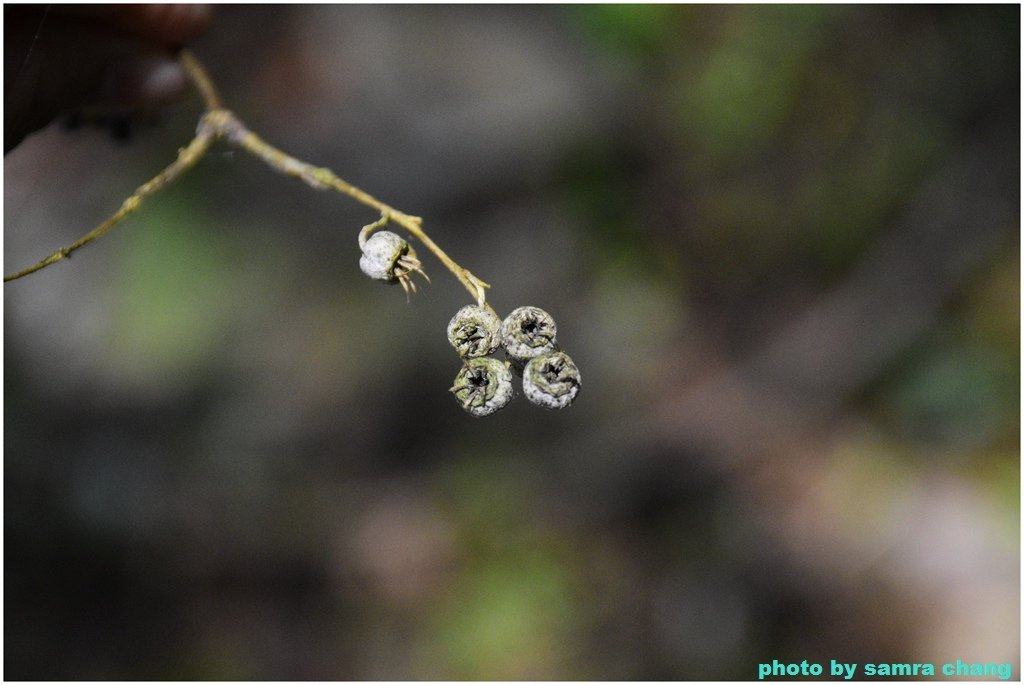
x,y
781,243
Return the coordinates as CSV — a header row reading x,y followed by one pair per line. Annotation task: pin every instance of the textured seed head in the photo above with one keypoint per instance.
x,y
551,380
381,252
528,332
474,331
483,386
389,257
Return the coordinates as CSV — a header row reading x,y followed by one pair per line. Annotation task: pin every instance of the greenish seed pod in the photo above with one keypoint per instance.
x,y
528,332
474,331
551,380
483,386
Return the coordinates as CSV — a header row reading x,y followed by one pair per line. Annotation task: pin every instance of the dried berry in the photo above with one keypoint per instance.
x,y
528,332
483,386
389,257
551,380
474,331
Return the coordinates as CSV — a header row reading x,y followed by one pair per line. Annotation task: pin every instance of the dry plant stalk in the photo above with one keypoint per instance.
x,y
484,384
218,123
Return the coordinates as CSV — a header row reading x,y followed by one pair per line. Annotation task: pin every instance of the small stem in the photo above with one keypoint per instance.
x,y
187,157
364,234
200,79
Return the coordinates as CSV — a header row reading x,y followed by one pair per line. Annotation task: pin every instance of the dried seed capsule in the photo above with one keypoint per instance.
x,y
474,331
389,257
551,380
483,386
381,253
528,332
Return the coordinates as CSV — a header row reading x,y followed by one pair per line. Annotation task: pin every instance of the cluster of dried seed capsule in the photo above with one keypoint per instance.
x,y
484,384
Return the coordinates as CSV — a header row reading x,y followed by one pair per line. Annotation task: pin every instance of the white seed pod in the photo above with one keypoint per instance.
x,y
551,380
483,386
474,331
381,252
528,332
389,257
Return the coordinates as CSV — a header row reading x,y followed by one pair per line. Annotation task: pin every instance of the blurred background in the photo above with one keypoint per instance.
x,y
781,243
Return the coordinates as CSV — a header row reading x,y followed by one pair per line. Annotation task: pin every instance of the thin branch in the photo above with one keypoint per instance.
x,y
187,157
322,178
217,123
201,80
